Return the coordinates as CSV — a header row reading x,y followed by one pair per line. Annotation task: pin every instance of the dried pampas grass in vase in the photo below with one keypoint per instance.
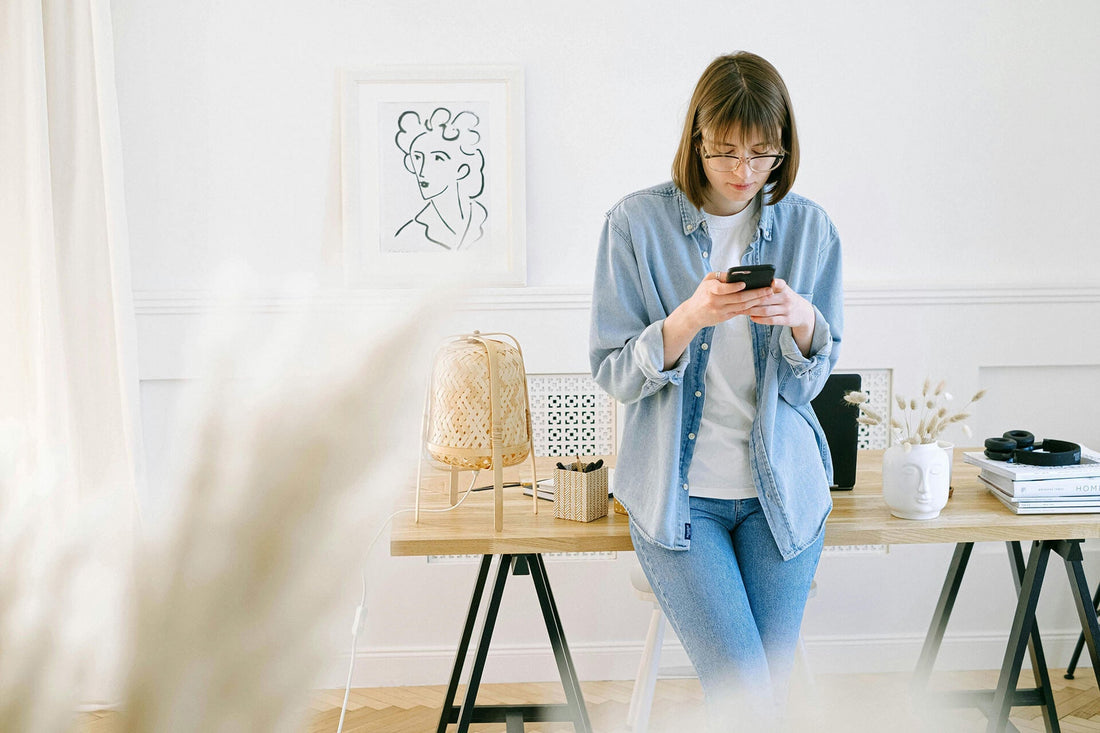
x,y
916,469
917,420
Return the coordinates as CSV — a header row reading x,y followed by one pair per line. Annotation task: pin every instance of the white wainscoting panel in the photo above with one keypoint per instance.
x,y
872,606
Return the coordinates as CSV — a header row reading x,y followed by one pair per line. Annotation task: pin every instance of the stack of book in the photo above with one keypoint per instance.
x,y
546,486
1043,489
546,489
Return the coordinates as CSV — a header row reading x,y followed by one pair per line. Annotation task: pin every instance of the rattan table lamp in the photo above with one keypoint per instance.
x,y
479,413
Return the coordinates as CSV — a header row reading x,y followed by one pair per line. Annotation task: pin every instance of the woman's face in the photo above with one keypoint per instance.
x,y
437,163
730,192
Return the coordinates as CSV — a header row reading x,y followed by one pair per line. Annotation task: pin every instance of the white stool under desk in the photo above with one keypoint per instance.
x,y
641,699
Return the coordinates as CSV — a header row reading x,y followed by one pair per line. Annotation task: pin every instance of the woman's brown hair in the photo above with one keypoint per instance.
x,y
742,91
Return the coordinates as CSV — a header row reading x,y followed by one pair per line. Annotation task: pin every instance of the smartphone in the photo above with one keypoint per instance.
x,y
754,276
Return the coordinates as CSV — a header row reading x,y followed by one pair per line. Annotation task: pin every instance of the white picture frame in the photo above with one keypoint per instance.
x,y
416,207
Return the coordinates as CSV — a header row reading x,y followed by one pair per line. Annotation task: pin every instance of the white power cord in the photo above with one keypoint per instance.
x,y
361,609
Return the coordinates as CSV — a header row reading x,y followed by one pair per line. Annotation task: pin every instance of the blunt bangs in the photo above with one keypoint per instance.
x,y
743,115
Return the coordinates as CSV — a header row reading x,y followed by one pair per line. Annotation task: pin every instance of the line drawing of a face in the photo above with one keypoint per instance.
x,y
435,168
443,152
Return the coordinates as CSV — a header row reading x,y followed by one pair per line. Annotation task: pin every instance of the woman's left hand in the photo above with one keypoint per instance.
x,y
783,307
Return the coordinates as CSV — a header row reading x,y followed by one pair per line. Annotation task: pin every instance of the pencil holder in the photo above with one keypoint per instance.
x,y
579,496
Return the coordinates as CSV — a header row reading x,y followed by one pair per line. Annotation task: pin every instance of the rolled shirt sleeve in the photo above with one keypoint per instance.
x,y
626,346
801,377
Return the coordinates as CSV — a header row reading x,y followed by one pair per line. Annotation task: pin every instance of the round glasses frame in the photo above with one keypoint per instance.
x,y
723,163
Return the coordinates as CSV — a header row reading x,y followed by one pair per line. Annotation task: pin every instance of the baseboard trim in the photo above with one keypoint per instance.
x,y
865,654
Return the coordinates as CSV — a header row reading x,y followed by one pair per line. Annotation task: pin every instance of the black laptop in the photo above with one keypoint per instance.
x,y
838,420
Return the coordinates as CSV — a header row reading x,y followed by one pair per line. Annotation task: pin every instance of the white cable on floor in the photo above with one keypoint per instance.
x,y
360,611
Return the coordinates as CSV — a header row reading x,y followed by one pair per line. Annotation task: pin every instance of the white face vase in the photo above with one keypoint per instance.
x,y
915,483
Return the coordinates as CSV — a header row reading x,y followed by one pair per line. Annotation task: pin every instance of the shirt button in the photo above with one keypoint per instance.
x,y
691,436
706,254
685,487
698,394
704,347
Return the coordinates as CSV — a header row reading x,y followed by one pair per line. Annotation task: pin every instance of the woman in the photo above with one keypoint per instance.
x,y
723,466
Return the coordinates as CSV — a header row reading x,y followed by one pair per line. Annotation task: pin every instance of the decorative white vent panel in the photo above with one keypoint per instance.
x,y
570,415
877,384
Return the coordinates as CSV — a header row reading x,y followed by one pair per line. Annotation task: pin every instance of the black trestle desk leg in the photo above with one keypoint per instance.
x,y
566,671
934,637
1089,624
1035,646
464,643
1019,638
1081,639
466,713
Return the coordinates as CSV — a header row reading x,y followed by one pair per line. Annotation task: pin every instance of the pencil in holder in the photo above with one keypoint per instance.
x,y
580,496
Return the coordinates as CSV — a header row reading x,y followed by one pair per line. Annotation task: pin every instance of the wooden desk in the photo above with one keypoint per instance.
x,y
859,517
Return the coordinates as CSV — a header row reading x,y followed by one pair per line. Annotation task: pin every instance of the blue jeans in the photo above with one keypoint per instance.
x,y
735,604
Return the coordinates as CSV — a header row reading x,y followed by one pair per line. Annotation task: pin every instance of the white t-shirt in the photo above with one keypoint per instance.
x,y
720,466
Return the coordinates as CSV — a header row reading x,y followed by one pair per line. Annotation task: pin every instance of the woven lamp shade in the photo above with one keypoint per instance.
x,y
460,429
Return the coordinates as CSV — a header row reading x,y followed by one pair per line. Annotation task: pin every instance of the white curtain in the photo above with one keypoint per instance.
x,y
68,364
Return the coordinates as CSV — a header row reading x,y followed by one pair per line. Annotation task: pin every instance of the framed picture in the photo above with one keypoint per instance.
x,y
433,177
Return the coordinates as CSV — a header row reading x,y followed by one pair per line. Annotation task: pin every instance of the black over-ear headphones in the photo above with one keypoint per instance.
x,y
1019,446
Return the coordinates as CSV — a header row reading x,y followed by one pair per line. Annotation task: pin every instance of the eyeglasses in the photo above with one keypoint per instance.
x,y
729,163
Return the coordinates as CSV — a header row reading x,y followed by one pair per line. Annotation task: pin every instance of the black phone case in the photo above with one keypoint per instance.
x,y
754,276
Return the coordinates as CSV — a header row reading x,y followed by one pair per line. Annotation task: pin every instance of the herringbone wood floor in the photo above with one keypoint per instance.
x,y
849,703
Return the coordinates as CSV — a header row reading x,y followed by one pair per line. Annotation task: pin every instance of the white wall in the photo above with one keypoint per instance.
x,y
951,143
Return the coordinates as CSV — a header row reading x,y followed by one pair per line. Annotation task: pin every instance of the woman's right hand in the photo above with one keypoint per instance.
x,y
713,302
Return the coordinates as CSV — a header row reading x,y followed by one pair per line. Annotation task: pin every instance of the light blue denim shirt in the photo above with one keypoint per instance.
x,y
653,253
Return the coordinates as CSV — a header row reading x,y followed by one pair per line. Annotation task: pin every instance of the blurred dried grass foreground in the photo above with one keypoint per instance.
x,y
298,434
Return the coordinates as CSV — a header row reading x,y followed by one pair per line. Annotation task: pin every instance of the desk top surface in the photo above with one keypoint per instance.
x,y
859,517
